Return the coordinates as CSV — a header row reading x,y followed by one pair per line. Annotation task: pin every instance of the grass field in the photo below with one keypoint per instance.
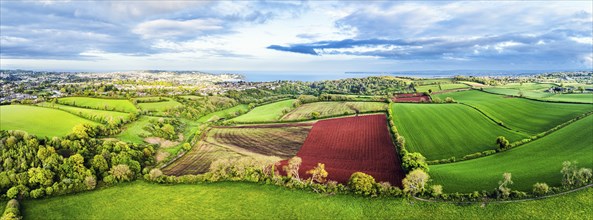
x,y
537,161
227,113
436,88
121,105
262,142
159,107
523,115
40,121
141,200
100,115
440,131
265,113
134,131
327,109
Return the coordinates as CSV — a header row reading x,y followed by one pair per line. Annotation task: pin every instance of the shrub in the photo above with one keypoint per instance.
x,y
436,190
503,189
502,142
155,174
11,212
412,161
37,193
362,184
318,174
540,188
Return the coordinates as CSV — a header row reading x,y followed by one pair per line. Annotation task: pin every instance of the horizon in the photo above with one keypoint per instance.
x,y
291,36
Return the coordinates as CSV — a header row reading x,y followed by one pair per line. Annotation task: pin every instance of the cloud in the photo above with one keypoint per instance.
x,y
164,28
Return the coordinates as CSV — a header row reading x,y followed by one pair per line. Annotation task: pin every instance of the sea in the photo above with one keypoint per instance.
x,y
267,76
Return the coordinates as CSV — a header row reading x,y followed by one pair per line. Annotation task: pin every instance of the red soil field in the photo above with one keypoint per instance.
x,y
352,144
411,97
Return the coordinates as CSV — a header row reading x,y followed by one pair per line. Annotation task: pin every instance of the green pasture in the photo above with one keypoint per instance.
x,y
441,87
226,113
159,107
227,200
94,114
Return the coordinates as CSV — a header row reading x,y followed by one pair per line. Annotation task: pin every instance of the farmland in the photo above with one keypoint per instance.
x,y
40,121
411,97
93,114
538,161
134,132
121,105
531,117
141,200
440,131
546,96
441,87
327,109
277,141
266,113
351,144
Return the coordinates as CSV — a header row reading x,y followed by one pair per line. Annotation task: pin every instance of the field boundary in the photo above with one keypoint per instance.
x,y
508,201
311,120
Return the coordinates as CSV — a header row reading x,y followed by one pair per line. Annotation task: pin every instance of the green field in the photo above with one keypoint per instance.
x,y
40,121
327,109
94,114
141,200
227,113
524,115
436,88
121,105
440,131
538,91
266,113
159,107
134,132
537,161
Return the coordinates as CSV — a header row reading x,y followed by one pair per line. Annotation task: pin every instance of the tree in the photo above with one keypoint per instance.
x,y
292,170
415,182
169,130
121,173
315,115
41,176
540,188
362,184
503,185
584,176
318,174
154,174
569,172
90,182
80,131
99,164
502,143
415,160
449,100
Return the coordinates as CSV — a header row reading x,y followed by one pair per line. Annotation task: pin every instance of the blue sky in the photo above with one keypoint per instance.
x,y
307,36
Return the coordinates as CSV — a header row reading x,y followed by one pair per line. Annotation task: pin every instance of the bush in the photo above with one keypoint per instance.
x,y
362,184
412,161
37,193
436,190
540,188
90,182
121,173
415,182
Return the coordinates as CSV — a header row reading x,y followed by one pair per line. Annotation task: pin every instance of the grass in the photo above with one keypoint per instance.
x,y
134,132
40,121
96,115
327,109
440,131
227,113
141,200
524,115
121,105
436,88
266,113
537,161
159,107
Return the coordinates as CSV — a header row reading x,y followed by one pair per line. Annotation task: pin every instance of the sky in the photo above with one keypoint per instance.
x,y
296,36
